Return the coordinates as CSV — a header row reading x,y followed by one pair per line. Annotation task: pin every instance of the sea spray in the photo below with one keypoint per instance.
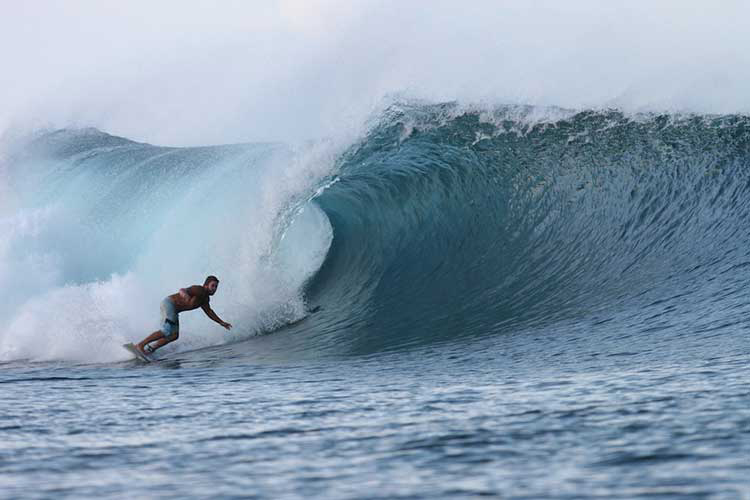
x,y
104,228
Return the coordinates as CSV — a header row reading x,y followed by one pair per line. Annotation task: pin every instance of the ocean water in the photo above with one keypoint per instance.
x,y
511,301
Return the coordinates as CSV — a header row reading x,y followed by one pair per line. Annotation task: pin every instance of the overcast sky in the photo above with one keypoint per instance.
x,y
188,73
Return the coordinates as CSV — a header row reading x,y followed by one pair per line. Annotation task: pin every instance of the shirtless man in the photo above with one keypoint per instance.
x,y
186,299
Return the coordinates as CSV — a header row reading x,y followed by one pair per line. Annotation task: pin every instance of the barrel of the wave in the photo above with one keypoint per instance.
x,y
474,227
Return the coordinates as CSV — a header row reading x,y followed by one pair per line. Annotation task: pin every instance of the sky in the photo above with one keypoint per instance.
x,y
195,73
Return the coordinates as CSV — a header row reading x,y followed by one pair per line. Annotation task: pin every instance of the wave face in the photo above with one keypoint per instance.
x,y
441,224
451,224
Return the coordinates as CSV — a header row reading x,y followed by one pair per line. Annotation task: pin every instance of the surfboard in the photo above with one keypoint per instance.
x,y
138,354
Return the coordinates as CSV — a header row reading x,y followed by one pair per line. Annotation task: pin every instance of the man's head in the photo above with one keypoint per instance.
x,y
211,284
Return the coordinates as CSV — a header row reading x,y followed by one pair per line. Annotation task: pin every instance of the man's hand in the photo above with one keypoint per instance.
x,y
226,325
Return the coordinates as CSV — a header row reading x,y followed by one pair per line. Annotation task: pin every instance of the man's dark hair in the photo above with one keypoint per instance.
x,y
210,279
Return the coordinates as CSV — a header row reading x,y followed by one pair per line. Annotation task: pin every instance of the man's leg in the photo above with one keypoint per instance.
x,y
160,339
166,339
158,334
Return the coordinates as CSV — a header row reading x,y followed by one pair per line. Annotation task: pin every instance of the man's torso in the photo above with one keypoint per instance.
x,y
198,297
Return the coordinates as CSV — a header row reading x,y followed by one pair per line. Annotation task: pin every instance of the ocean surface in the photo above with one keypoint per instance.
x,y
510,301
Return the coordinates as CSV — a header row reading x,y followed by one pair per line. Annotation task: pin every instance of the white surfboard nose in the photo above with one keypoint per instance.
x,y
137,353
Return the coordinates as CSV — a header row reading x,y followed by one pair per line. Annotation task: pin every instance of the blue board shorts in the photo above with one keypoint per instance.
x,y
170,322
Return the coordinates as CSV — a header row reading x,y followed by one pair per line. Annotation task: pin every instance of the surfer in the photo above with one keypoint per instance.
x,y
186,299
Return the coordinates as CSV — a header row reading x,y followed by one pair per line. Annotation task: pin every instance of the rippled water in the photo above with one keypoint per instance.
x,y
547,414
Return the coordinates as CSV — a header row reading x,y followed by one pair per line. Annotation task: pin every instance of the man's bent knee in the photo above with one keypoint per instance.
x,y
172,336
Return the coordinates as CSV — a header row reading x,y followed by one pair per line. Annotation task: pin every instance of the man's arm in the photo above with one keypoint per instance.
x,y
211,314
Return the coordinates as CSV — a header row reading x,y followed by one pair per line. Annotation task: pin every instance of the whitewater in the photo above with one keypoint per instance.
x,y
496,251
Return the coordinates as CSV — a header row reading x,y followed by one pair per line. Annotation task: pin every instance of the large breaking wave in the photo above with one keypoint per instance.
x,y
442,223
451,223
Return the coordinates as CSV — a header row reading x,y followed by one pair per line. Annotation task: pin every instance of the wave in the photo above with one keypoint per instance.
x,y
452,223
442,223
99,228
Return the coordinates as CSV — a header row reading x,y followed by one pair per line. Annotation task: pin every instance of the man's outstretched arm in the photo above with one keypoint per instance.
x,y
211,314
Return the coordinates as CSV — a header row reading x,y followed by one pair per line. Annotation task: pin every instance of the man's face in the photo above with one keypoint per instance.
x,y
212,287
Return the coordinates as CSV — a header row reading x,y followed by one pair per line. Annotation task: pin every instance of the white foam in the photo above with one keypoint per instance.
x,y
79,292
86,323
